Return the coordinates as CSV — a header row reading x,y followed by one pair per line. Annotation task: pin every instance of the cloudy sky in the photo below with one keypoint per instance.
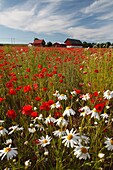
x,y
55,20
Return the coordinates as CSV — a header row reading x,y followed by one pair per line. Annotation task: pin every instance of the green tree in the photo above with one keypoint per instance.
x,y
49,44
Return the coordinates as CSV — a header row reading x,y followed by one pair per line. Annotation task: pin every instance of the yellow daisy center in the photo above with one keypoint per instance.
x,y
54,104
108,93
111,141
84,150
1,127
94,110
7,149
61,118
70,136
44,141
67,108
83,113
49,116
62,95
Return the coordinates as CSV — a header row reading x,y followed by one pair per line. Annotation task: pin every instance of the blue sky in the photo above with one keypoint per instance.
x,y
55,20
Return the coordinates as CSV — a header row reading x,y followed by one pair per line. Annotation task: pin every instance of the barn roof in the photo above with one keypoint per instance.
x,y
73,41
38,41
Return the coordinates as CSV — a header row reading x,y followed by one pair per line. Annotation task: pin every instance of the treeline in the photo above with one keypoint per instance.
x,y
98,45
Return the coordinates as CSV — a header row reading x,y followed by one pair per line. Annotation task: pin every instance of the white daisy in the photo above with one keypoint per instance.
x,y
9,152
15,128
49,120
55,105
82,138
108,94
32,130
62,97
35,108
101,155
86,96
56,94
46,152
109,143
40,127
73,93
107,107
40,117
95,114
1,122
69,111
43,141
27,163
104,115
61,122
70,139
85,111
3,131
81,152
59,132
8,141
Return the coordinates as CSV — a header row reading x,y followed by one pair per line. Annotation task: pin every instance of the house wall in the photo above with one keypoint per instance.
x,y
71,46
68,43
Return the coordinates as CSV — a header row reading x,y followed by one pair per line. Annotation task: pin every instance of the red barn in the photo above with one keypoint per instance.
x,y
39,43
73,43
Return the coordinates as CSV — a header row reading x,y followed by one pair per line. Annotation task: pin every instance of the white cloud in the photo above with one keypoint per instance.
x,y
101,34
108,16
42,20
98,6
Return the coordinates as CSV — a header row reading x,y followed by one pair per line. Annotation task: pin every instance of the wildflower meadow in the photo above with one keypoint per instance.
x,y
56,108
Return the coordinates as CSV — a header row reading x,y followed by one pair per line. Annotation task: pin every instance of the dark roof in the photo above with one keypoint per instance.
x,y
74,41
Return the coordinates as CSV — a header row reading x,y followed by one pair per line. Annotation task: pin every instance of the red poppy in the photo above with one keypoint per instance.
x,y
81,67
61,80
14,79
57,114
38,98
12,91
9,84
96,71
35,86
27,110
44,70
44,88
19,88
46,105
41,75
96,94
34,114
39,66
28,70
11,114
2,99
77,91
50,102
26,76
27,88
99,107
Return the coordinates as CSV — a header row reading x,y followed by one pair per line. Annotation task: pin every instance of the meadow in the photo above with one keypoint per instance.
x,y
56,108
